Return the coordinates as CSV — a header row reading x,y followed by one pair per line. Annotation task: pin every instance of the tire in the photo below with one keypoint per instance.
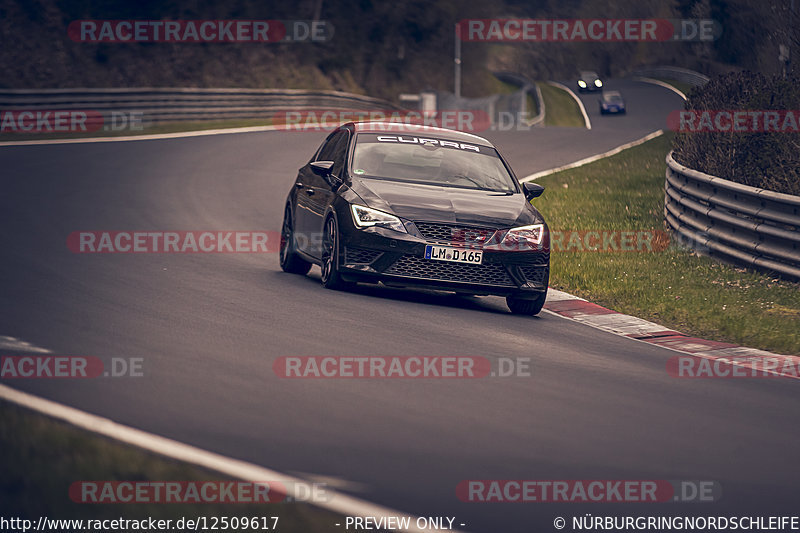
x,y
331,279
519,306
290,261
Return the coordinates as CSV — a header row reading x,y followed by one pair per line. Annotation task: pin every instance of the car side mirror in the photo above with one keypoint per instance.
x,y
322,168
532,190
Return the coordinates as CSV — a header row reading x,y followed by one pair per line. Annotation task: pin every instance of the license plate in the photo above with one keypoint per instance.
x,y
455,255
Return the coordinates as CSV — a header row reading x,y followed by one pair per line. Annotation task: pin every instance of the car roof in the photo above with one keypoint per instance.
x,y
587,73
609,94
411,129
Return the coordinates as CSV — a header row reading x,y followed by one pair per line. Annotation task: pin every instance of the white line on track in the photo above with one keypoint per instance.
x,y
574,96
148,137
661,84
18,345
338,503
593,158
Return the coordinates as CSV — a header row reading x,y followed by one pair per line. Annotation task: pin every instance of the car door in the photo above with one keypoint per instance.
x,y
315,194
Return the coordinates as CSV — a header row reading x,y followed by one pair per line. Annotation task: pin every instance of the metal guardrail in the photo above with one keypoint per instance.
x,y
691,77
742,224
528,87
538,120
178,104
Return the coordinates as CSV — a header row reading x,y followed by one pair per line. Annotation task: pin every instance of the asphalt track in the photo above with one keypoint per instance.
x,y
209,327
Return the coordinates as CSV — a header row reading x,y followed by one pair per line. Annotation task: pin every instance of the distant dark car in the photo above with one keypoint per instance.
x,y
413,206
611,102
589,81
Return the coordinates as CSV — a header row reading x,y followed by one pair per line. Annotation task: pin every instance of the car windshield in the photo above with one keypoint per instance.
x,y
613,98
431,161
588,75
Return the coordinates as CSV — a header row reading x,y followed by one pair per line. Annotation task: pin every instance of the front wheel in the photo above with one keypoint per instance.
x,y
530,307
290,261
331,279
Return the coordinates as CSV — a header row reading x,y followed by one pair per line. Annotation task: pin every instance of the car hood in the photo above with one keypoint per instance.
x,y
432,203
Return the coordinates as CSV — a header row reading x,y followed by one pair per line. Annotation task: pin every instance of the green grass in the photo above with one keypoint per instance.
x,y
560,108
676,287
172,127
42,457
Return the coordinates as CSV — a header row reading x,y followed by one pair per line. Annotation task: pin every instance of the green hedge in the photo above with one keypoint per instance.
x,y
770,160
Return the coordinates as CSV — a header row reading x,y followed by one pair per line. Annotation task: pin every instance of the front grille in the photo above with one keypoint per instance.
x,y
361,256
412,266
535,274
454,234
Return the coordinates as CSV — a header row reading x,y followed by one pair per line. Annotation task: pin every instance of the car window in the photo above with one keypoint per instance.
x,y
328,150
339,153
431,161
322,146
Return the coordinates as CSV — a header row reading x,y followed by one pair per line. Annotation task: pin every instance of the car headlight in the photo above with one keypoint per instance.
x,y
581,83
366,217
523,238
598,83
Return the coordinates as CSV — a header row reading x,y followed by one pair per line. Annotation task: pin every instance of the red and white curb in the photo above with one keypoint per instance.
x,y
757,362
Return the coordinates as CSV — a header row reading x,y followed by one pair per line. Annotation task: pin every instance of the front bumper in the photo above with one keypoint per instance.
x,y
396,259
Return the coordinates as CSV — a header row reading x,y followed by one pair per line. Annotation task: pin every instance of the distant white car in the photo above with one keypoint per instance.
x,y
589,81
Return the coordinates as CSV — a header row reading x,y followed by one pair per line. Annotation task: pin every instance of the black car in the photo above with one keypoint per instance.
x,y
414,206
589,81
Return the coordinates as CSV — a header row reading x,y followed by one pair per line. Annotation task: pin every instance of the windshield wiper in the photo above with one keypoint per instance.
x,y
481,187
463,177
